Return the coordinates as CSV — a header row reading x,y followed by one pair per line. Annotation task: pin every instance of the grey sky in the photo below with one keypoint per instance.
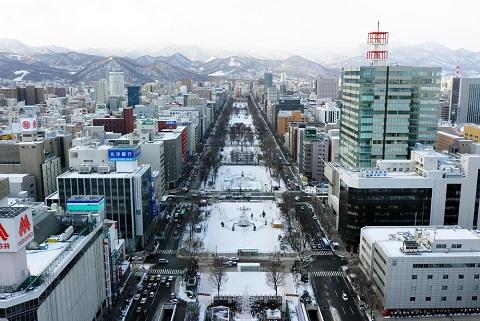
x,y
258,26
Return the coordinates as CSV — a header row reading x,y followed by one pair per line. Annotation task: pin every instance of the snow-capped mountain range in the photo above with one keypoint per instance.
x,y
61,64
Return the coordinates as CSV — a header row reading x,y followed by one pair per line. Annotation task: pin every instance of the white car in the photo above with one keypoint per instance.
x,y
136,296
143,301
163,261
344,296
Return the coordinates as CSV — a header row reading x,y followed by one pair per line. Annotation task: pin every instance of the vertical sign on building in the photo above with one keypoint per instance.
x,y
108,280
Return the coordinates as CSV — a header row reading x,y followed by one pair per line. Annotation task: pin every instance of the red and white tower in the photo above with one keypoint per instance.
x,y
377,47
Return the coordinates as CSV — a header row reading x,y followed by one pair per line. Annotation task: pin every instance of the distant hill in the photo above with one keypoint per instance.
x,y
60,64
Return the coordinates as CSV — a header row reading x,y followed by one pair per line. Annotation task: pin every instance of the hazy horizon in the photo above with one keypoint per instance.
x,y
255,28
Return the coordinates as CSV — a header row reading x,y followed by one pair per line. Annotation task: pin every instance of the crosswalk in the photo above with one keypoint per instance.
x,y
167,252
327,273
320,253
166,271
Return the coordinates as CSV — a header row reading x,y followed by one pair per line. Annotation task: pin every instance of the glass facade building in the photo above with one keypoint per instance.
x,y
386,111
361,207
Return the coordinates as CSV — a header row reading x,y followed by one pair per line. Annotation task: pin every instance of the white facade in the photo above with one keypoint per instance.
x,y
116,83
328,113
101,91
433,170
422,268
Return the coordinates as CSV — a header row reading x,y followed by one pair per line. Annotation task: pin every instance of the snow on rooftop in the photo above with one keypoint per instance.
x,y
39,260
390,239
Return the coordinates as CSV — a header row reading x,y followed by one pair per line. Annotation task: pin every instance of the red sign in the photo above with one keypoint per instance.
x,y
25,124
3,233
24,226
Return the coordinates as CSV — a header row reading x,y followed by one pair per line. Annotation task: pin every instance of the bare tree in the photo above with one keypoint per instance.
x,y
218,275
275,276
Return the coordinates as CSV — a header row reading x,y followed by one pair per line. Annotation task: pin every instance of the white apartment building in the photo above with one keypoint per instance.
x,y
421,270
116,81
101,91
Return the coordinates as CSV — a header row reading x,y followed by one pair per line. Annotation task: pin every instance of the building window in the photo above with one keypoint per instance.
x,y
476,276
460,287
445,276
444,287
460,276
414,277
430,276
443,298
413,288
412,299
459,298
428,298
456,246
474,298
441,246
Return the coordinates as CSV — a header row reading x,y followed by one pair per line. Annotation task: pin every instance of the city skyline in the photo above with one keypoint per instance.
x,y
150,26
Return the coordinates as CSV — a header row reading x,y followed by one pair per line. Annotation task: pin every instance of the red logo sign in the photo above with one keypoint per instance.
x,y
3,233
24,225
25,124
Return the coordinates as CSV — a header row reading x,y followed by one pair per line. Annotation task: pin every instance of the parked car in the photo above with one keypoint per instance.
x,y
136,296
234,258
152,294
163,280
143,301
344,296
167,285
170,278
138,309
163,261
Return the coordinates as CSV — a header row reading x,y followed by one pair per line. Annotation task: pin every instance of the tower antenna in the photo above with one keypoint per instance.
x,y
377,47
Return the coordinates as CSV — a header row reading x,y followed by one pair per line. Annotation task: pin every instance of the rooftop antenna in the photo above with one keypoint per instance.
x,y
377,47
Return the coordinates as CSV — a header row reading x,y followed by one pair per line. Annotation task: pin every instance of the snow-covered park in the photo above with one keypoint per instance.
x,y
243,227
244,178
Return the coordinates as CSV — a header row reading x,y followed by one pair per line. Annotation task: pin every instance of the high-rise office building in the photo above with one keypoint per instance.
x,y
30,95
116,82
326,87
268,79
386,111
468,110
454,93
133,93
101,91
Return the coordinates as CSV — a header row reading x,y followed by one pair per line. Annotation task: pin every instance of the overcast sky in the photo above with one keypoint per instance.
x,y
259,26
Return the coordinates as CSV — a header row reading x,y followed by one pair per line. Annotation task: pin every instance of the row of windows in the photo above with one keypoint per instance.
x,y
443,298
445,265
445,276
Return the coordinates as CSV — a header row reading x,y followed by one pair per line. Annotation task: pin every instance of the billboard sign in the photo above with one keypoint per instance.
x,y
28,124
16,231
124,154
310,133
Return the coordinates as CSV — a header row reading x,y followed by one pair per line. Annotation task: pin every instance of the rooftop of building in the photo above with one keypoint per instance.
x,y
111,174
54,246
10,212
392,240
85,199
